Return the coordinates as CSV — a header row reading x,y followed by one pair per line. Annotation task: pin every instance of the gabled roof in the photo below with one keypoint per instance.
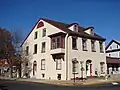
x,y
64,27
81,32
115,41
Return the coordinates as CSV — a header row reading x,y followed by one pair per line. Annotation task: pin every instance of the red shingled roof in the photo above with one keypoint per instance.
x,y
64,27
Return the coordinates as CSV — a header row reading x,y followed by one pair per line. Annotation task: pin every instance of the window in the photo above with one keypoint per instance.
x,y
43,47
53,44
102,67
34,67
75,66
76,27
44,32
93,45
110,47
58,64
74,43
101,47
92,32
35,37
43,64
35,49
43,75
84,44
59,76
57,42
117,46
27,50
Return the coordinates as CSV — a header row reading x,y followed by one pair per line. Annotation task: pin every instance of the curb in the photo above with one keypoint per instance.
x,y
65,83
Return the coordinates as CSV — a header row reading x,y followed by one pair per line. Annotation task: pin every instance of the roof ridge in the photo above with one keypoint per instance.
x,y
55,21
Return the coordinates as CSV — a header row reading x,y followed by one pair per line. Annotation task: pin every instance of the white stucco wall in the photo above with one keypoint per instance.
x,y
81,55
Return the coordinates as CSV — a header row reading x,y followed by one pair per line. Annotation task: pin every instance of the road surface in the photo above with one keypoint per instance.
x,y
18,85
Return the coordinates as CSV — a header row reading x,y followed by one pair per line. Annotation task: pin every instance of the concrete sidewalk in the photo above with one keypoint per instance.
x,y
93,81
71,82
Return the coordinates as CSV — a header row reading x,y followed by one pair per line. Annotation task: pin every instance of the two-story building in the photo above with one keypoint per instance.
x,y
59,51
113,57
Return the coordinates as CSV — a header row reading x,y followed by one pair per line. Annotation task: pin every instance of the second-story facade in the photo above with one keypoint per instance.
x,y
58,51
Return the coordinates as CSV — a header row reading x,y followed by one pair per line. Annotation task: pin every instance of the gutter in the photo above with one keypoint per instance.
x,y
66,51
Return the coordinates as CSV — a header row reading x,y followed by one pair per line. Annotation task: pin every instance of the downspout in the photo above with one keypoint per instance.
x,y
66,51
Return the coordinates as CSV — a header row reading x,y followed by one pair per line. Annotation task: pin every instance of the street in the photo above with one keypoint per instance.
x,y
20,85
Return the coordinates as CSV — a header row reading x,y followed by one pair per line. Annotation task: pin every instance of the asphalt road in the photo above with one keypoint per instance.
x,y
17,85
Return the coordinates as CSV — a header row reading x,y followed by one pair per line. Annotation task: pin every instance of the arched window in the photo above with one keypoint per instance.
x,y
75,65
34,67
40,24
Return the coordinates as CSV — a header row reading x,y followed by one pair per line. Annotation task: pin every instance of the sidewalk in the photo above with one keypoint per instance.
x,y
71,82
93,81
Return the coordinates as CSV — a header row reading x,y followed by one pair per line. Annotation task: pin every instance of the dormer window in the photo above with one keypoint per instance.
x,y
76,27
92,32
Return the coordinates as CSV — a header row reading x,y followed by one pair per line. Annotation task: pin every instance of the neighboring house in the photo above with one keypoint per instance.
x,y
113,57
4,66
58,51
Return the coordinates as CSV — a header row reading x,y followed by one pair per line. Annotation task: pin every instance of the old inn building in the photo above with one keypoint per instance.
x,y
57,51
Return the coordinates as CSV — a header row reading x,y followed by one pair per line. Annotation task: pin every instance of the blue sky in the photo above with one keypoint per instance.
x,y
104,15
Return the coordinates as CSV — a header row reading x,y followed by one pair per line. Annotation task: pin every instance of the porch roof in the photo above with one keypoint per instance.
x,y
113,60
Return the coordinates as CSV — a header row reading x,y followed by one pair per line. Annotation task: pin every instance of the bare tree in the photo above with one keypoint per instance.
x,y
6,47
26,62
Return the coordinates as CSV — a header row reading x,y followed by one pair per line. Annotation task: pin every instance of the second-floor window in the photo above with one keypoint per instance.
x,y
35,49
57,42
44,32
101,47
93,45
74,43
84,44
43,47
27,50
36,34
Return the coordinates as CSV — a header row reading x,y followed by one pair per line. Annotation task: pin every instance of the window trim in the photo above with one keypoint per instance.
x,y
84,47
101,49
42,64
43,32
36,35
74,48
61,42
43,50
58,64
93,49
27,50
102,67
75,66
35,50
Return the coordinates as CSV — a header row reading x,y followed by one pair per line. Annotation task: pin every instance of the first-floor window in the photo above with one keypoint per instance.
x,y
75,66
34,67
102,66
58,64
43,64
